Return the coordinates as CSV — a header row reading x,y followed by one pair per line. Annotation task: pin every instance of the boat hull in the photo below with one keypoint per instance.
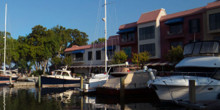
x,y
203,93
6,79
59,82
176,88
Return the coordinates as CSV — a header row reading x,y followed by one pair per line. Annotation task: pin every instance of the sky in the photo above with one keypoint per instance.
x,y
84,15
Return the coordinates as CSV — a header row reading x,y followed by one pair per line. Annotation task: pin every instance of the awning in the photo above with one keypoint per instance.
x,y
109,48
176,20
78,51
158,64
127,30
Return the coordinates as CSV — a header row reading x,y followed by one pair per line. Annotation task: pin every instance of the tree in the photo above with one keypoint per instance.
x,y
67,60
63,38
78,38
140,58
100,40
11,47
175,54
119,57
42,44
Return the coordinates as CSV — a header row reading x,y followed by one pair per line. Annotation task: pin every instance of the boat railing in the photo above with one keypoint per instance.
x,y
169,73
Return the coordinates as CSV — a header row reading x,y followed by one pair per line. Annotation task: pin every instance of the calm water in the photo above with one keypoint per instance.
x,y
68,99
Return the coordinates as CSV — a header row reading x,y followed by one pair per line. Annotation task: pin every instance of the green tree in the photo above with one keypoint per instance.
x,y
56,61
175,54
67,60
140,58
78,38
100,40
42,45
119,57
11,47
63,38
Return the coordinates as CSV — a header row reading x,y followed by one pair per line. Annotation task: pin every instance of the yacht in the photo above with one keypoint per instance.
x,y
202,64
60,78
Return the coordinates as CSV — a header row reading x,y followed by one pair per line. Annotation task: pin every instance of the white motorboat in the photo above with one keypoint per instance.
x,y
60,78
202,64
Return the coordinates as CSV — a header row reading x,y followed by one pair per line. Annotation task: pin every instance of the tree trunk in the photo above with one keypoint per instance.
x,y
44,66
59,52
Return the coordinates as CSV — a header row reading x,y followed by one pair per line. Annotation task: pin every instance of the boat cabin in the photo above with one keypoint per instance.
x,y
62,73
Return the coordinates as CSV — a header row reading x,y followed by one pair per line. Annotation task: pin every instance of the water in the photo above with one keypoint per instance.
x,y
69,99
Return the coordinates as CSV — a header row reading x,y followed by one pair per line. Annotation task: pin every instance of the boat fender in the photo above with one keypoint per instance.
x,y
151,74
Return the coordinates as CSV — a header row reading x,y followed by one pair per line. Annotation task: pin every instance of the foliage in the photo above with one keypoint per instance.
x,y
56,61
100,40
175,54
119,57
78,38
140,58
40,47
67,60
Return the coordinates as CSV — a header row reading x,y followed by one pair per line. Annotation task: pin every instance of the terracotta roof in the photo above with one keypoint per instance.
x,y
183,13
149,16
213,5
75,47
129,25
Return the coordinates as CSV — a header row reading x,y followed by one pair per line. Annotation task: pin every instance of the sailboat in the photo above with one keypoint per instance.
x,y
99,79
6,76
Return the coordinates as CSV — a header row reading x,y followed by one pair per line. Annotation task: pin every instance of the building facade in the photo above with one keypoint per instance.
x,y
128,39
149,33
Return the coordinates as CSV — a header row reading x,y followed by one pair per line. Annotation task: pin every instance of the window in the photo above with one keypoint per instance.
x,y
128,51
214,21
65,74
98,55
90,55
175,44
79,56
194,26
149,48
175,28
128,37
124,38
147,33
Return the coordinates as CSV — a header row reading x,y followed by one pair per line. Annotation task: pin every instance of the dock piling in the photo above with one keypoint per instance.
x,y
39,81
81,83
192,91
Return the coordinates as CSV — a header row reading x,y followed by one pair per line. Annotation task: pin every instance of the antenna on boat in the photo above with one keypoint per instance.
x,y
5,37
105,20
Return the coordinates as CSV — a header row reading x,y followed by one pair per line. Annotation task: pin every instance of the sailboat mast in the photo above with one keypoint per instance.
x,y
5,37
105,19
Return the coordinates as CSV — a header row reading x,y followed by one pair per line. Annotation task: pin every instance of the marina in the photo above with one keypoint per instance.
x,y
163,60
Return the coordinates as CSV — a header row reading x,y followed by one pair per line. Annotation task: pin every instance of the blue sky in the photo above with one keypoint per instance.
x,y
84,15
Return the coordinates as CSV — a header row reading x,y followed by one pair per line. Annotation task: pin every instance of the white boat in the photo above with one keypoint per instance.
x,y
60,78
202,64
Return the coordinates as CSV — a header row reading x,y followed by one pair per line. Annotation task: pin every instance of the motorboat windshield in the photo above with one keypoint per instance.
x,y
201,48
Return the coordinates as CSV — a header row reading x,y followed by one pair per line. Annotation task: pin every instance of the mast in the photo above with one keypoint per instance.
x,y
105,20
5,37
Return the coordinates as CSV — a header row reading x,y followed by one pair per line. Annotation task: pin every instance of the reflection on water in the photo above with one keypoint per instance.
x,y
69,99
